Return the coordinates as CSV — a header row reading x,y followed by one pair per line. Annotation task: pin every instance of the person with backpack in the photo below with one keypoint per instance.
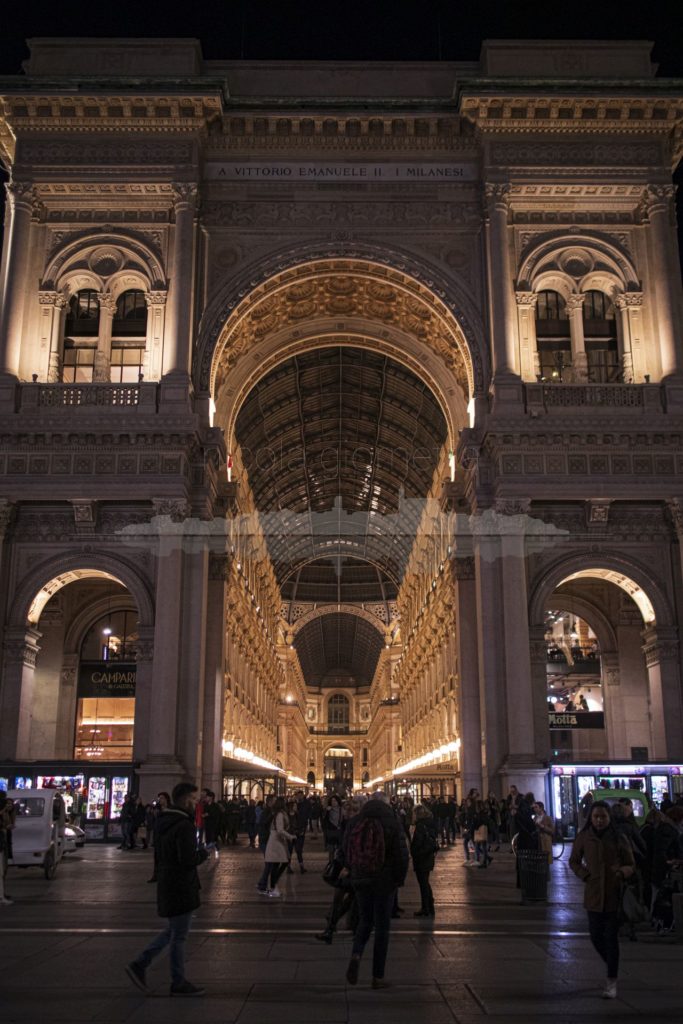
x,y
376,854
603,859
177,890
423,848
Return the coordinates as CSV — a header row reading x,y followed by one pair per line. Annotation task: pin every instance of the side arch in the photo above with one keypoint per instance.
x,y
65,568
550,577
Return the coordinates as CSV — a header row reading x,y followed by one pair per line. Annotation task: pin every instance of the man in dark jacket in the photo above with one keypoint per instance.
x,y
375,895
177,889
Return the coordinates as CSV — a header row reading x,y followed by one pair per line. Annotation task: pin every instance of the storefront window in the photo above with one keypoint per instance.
x,y
97,799
574,687
660,788
119,791
106,689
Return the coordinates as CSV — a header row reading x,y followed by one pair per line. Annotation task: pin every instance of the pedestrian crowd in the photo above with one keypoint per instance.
x,y
630,872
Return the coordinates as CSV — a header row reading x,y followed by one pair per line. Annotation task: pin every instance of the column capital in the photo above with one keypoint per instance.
x,y
47,297
575,301
144,645
7,510
538,647
512,506
220,566
21,645
497,195
660,643
626,300
658,199
107,302
675,509
178,509
526,299
156,298
185,195
21,195
462,567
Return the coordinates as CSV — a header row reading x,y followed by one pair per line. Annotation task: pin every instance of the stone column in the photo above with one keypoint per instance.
x,y
7,509
156,315
613,701
20,203
52,306
629,305
538,660
102,371
503,315
526,325
20,653
214,686
193,656
471,736
144,709
661,650
579,357
665,276
489,616
66,707
162,767
178,329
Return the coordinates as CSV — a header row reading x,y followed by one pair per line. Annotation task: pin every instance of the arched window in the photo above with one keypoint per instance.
x,y
129,332
338,713
600,333
553,335
81,329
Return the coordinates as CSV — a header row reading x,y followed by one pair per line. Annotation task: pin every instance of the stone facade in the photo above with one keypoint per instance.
x,y
433,215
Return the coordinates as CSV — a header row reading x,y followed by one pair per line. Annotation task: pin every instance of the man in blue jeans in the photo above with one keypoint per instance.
x,y
175,841
375,892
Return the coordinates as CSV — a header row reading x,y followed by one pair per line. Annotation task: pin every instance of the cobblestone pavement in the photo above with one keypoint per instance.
x,y
63,946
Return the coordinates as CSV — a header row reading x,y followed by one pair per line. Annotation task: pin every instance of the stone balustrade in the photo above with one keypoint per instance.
x,y
72,396
547,398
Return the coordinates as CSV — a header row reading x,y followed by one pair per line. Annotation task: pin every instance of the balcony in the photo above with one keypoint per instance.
x,y
55,397
335,730
552,398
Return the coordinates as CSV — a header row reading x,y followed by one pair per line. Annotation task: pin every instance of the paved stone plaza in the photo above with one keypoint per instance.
x,y
64,944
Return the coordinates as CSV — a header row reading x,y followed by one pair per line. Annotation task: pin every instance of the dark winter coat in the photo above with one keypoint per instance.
x,y
593,859
395,868
664,849
424,844
175,839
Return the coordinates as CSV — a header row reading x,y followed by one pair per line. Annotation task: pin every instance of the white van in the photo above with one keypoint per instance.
x,y
38,837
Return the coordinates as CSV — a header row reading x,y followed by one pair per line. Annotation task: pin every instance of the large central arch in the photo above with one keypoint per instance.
x,y
314,298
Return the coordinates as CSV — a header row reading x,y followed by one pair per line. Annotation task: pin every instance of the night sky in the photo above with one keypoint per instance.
x,y
348,29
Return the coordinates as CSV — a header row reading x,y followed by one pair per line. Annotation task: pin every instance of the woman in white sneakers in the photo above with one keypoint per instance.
x,y
277,848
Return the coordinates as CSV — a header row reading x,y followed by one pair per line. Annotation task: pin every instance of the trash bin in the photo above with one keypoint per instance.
x,y
533,875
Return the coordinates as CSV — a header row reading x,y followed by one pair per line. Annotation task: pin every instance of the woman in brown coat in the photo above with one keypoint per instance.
x,y
603,859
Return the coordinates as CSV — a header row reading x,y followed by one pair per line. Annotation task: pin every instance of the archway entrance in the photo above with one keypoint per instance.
x,y
610,682
70,693
338,770
341,387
